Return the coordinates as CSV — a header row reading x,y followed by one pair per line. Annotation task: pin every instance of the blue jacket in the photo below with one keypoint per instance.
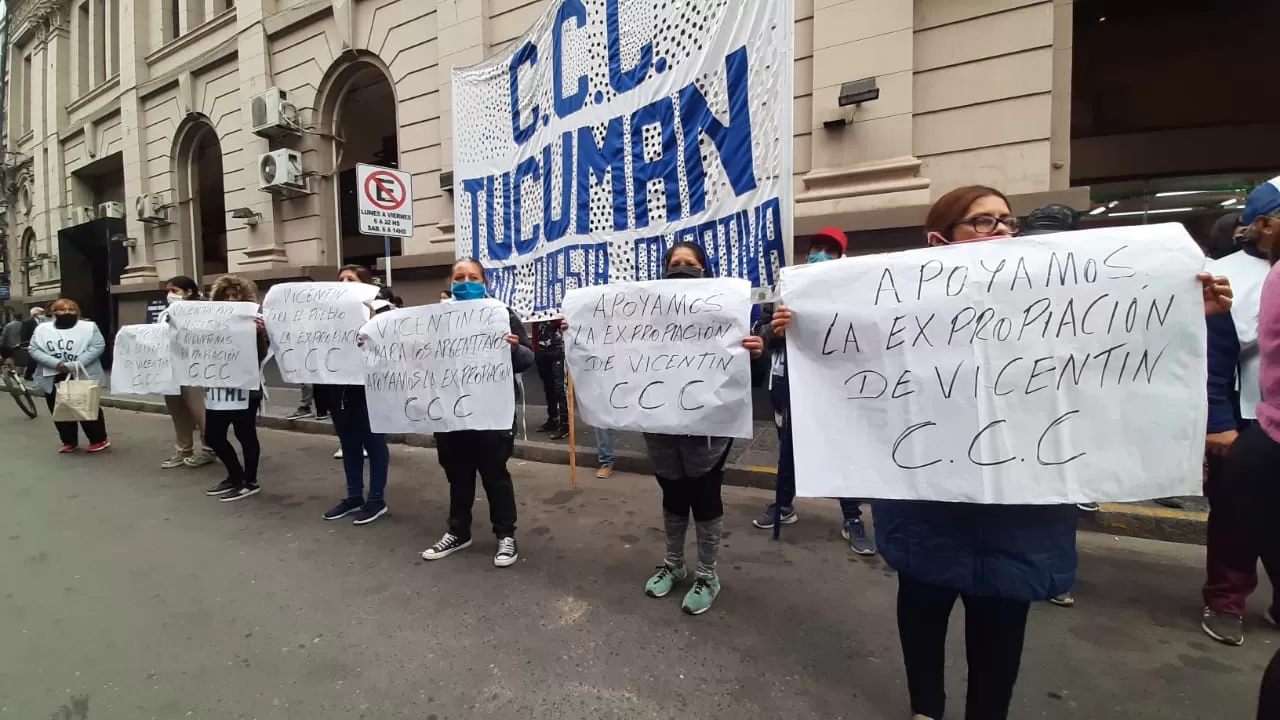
x,y
1233,389
1016,552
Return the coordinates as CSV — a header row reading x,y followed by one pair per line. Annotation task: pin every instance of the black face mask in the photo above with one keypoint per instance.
x,y
682,272
65,322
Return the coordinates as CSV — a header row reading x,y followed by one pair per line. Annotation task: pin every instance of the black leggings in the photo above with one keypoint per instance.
x,y
994,629
1252,462
245,424
94,430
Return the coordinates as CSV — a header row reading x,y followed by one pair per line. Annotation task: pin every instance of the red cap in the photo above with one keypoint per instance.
x,y
836,234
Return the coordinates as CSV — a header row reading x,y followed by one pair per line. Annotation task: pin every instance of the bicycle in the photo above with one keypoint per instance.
x,y
17,387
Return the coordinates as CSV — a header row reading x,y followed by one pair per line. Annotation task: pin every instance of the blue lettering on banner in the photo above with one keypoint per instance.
x,y
747,244
554,274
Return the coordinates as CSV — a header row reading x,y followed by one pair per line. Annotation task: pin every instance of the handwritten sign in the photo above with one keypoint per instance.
x,y
1062,369
143,361
226,399
662,356
440,368
215,344
313,328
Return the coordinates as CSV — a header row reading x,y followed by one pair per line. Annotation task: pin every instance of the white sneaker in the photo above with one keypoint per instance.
x,y
448,545
176,460
200,459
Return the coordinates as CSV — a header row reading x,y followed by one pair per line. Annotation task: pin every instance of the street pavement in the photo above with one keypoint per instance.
x,y
126,593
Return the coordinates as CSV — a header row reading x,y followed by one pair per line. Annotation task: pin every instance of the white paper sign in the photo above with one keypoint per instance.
x,y
662,356
440,368
215,344
143,361
1058,369
313,328
226,399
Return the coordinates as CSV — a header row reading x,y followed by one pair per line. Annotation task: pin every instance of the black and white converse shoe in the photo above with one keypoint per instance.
x,y
241,493
448,545
507,552
222,488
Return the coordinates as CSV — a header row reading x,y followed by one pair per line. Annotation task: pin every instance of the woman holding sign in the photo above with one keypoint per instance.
x,y
690,471
228,409
356,439
67,348
996,559
465,453
186,409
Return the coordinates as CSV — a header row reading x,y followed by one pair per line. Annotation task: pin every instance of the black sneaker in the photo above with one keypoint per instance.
x,y
560,433
322,416
241,493
303,412
343,509
547,426
448,545
507,554
370,512
222,488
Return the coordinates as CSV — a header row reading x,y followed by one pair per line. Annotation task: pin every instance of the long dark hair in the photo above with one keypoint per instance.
x,y
692,247
471,260
186,285
951,208
361,272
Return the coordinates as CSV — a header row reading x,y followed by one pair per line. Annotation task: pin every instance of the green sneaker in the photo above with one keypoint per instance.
x,y
699,598
665,580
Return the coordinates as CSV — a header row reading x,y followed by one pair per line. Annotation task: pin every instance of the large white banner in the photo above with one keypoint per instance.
x,y
313,328
143,361
440,368
662,356
614,128
215,344
1058,369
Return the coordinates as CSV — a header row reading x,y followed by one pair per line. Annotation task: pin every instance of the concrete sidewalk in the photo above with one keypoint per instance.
x,y
751,464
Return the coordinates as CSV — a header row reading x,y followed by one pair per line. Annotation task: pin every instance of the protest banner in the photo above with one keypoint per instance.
x,y
440,368
215,344
313,328
1058,369
611,130
143,361
662,356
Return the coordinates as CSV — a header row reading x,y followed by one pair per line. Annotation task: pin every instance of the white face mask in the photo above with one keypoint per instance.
x,y
174,297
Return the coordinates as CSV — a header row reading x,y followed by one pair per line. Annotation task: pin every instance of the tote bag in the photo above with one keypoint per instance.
x,y
77,398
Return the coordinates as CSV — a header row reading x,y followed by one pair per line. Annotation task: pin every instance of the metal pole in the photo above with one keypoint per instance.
x,y
386,241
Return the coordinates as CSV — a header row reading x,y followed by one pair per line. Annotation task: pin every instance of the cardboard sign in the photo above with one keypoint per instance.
x,y
313,328
215,344
143,361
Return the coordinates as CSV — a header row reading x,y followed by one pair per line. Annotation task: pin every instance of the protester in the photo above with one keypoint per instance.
x,y
70,348
604,453
1225,236
465,453
186,409
240,414
690,470
829,244
997,559
1231,554
11,338
548,354
309,397
356,439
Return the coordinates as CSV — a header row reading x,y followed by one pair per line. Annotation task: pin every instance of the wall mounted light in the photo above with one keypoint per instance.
x,y
852,95
248,215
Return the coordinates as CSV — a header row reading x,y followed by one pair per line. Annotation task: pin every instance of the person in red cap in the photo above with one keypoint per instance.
x,y
828,244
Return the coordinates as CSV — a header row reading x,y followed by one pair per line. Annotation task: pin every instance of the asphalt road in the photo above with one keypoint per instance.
x,y
126,593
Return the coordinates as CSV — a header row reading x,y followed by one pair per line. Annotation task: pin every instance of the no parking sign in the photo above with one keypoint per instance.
x,y
385,201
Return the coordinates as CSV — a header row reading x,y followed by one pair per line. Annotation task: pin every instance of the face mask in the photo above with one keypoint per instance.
x,y
818,256
65,322
175,297
682,272
468,290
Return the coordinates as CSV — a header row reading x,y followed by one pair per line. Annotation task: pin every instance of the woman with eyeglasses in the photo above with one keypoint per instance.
x,y
996,559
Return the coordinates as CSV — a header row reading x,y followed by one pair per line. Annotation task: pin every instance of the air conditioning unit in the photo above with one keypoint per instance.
x,y
81,214
152,209
281,170
111,210
272,115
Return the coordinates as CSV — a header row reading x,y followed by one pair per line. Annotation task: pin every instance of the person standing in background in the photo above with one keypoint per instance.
x,y
68,348
548,354
1234,392
604,453
304,407
829,244
186,409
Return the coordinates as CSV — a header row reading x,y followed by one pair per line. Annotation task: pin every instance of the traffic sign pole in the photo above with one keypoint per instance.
x,y
387,251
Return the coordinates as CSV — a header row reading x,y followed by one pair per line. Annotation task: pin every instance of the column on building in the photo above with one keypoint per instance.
x,y
265,246
134,36
464,40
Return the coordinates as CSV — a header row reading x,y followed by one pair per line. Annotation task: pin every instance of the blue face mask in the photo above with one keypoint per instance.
x,y
468,290
818,256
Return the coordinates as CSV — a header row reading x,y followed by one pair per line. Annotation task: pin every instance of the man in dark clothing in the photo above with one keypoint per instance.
x,y
548,354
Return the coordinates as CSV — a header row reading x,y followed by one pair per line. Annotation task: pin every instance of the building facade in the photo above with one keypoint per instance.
x,y
145,109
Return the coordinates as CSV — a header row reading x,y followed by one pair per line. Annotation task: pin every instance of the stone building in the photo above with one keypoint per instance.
x,y
133,157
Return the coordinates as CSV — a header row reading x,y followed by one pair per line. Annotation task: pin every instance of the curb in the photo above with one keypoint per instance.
x,y
1180,526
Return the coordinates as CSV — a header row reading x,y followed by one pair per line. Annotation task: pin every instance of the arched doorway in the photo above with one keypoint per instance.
x,y
359,105
203,200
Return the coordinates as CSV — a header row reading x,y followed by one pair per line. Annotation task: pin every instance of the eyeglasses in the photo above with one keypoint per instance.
x,y
985,224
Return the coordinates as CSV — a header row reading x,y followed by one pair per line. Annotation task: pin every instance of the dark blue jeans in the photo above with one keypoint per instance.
x,y
351,422
780,397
